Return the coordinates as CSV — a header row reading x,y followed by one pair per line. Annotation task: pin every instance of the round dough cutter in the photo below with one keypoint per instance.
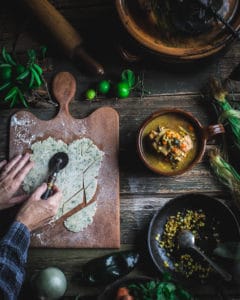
x,y
57,162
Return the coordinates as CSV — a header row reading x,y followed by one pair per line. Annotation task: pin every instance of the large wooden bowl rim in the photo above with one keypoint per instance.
x,y
222,39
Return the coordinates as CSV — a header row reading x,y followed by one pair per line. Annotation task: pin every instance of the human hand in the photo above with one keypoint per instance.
x,y
36,211
12,174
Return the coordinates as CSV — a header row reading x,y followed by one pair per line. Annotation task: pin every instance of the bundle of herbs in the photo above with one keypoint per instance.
x,y
17,79
230,118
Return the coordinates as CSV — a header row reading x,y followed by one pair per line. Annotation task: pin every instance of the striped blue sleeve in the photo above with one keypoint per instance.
x,y
13,257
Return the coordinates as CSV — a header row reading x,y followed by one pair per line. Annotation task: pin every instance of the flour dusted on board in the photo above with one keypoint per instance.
x,y
78,180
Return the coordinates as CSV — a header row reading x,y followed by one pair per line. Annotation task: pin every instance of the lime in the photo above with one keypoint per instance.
x,y
90,94
104,86
123,89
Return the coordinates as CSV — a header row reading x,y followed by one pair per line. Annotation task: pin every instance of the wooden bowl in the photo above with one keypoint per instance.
x,y
172,118
177,48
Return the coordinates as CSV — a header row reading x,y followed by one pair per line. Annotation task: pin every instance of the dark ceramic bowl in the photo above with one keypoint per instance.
x,y
218,215
177,48
153,160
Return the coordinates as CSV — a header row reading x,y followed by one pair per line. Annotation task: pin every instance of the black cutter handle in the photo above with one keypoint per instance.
x,y
51,180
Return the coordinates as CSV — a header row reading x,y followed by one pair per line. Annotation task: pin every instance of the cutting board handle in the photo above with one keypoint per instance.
x,y
64,88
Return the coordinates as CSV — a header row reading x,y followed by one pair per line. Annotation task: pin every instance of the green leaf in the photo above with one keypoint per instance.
x,y
37,78
4,86
128,76
170,287
31,83
228,250
4,54
5,65
7,57
22,98
32,55
166,277
13,101
23,75
44,51
38,69
13,91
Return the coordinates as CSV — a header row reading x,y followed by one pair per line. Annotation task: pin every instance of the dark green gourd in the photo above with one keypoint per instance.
x,y
106,269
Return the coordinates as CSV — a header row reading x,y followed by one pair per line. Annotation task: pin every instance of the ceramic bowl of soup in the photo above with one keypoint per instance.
x,y
171,141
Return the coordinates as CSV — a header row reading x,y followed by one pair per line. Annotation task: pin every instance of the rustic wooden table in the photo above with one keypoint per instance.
x,y
142,192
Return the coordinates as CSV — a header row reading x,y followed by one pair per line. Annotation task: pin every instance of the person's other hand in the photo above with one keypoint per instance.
x,y
35,212
12,174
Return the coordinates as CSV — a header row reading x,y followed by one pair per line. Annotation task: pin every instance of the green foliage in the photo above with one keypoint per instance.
x,y
230,118
122,88
159,290
226,174
227,115
129,77
17,79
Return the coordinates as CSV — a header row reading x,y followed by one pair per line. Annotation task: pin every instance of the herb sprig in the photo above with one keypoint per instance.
x,y
17,79
159,290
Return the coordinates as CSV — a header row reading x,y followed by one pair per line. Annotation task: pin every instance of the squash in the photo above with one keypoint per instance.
x,y
49,284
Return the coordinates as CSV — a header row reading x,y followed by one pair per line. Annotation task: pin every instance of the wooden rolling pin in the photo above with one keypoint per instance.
x,y
63,32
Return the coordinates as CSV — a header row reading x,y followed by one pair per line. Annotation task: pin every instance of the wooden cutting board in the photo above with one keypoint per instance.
x,y
102,127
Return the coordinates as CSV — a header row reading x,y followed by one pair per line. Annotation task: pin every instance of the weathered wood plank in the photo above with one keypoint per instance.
x,y
102,40
142,192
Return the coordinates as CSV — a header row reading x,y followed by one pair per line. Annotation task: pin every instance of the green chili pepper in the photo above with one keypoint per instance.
x,y
106,269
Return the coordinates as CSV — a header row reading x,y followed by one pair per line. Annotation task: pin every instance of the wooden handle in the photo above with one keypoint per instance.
x,y
212,130
64,88
62,31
